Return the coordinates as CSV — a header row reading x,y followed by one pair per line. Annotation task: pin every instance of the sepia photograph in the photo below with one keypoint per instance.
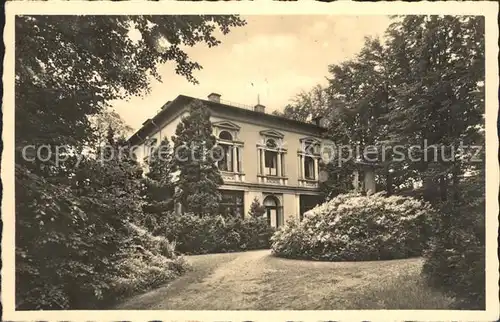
x,y
161,161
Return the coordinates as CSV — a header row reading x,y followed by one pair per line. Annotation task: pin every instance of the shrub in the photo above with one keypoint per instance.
x,y
208,234
455,258
79,251
151,262
355,227
76,240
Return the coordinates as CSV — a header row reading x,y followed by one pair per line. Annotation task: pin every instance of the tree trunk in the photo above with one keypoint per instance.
x,y
388,182
429,185
455,182
443,187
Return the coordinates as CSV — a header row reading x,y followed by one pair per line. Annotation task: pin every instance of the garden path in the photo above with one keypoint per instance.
x,y
256,280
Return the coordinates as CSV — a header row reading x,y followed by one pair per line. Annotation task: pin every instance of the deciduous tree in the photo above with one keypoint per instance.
x,y
70,215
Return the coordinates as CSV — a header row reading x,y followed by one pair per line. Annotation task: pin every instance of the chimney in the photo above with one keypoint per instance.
x,y
166,104
319,121
259,108
214,97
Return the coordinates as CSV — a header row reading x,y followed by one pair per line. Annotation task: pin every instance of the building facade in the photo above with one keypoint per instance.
x,y
265,157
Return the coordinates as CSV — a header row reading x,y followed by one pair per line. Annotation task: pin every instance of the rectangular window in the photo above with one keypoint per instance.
x,y
238,158
271,163
225,164
232,203
307,203
283,174
309,168
229,157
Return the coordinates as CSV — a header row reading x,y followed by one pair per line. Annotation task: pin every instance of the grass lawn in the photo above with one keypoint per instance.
x,y
258,281
395,284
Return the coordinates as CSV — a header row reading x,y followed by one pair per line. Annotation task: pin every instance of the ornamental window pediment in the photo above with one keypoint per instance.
x,y
272,134
310,146
225,128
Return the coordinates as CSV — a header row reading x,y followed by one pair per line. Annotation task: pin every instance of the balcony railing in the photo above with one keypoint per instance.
x,y
308,183
282,181
238,105
232,176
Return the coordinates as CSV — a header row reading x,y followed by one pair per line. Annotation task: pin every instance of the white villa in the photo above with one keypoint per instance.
x,y
268,157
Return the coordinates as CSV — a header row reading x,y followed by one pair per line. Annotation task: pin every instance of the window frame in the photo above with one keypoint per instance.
x,y
309,156
272,151
309,166
228,157
228,146
273,157
233,203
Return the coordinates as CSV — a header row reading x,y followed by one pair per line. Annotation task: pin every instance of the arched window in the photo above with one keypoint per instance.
x,y
225,135
309,148
226,163
231,155
272,205
309,156
271,202
271,143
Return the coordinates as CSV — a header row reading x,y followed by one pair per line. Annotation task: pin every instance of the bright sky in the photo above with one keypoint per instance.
x,y
274,57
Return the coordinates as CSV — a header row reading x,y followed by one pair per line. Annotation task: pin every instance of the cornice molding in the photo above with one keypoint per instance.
x,y
310,139
272,133
226,125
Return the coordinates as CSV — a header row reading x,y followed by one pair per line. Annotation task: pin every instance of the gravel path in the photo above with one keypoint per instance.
x,y
255,280
232,277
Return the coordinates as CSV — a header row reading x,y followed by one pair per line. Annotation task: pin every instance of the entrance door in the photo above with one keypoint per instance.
x,y
272,211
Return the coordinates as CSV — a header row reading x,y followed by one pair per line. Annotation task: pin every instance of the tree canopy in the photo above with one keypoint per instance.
x,y
72,215
70,67
423,85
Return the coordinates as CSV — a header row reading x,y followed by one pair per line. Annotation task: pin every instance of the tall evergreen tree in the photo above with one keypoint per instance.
x,y
257,210
158,186
195,161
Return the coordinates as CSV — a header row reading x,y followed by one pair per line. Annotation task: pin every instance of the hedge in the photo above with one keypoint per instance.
x,y
216,234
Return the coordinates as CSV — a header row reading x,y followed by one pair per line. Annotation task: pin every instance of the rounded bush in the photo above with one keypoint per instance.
x,y
352,227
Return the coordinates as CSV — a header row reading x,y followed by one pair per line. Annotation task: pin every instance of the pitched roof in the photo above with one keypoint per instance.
x,y
182,101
